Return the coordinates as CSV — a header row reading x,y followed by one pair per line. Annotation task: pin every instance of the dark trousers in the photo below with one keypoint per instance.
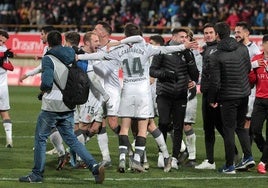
x,y
172,111
259,115
233,113
211,120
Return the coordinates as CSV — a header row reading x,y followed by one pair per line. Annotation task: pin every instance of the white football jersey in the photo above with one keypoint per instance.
x,y
3,72
253,49
136,98
135,63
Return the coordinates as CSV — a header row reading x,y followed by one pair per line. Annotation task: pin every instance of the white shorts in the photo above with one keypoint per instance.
x,y
92,110
190,113
136,106
112,105
4,98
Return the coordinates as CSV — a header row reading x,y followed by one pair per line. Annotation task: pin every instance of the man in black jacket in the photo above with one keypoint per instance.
x,y
173,72
211,116
229,88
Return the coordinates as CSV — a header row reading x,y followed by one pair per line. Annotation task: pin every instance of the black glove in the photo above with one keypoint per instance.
x,y
192,93
170,75
1,61
40,95
8,53
78,50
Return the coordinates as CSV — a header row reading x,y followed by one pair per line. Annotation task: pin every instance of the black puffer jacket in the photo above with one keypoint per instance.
x,y
209,49
229,73
175,63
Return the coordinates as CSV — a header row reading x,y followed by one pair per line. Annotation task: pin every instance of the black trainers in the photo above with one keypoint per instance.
x,y
245,164
191,163
99,173
31,178
183,156
62,160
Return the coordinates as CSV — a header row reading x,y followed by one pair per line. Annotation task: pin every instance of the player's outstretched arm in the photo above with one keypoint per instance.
x,y
33,72
127,40
91,56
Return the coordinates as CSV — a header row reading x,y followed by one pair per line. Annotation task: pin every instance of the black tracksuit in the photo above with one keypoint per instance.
x,y
211,116
229,86
173,72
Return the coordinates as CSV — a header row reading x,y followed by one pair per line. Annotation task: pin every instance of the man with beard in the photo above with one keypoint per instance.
x,y
242,32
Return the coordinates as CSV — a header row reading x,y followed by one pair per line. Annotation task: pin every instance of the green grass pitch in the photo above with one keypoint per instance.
x,y
18,161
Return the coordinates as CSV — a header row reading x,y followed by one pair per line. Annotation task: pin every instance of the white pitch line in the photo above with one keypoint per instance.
x,y
147,179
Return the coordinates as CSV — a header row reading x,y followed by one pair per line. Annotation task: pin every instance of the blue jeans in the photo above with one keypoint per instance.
x,y
64,122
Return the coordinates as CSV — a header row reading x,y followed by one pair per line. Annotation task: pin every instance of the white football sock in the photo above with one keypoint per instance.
x,y
159,138
190,144
8,129
103,145
56,140
183,146
81,139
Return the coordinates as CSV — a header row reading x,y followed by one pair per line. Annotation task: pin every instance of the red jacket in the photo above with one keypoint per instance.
x,y
259,77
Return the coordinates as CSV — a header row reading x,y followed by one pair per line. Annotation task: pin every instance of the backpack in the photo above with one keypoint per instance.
x,y
74,86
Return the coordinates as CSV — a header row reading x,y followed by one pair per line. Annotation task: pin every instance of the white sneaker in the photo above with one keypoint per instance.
x,y
160,162
52,152
174,163
206,165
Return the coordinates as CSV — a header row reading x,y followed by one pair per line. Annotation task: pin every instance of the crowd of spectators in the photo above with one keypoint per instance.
x,y
154,16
